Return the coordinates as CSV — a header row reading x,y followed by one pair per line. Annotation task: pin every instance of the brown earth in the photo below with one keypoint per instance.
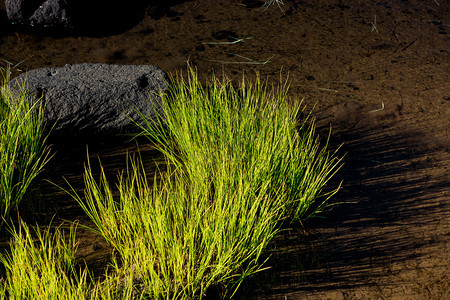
x,y
350,58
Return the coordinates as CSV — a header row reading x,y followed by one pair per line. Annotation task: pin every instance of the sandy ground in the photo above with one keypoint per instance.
x,y
377,73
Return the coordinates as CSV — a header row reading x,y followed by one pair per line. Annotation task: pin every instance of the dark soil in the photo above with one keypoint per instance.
x,y
349,59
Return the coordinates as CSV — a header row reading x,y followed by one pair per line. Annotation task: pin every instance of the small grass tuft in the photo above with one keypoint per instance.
x,y
269,3
41,265
23,153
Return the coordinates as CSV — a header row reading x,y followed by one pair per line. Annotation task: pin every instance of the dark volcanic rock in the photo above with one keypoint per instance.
x,y
17,10
52,13
95,99
84,17
46,14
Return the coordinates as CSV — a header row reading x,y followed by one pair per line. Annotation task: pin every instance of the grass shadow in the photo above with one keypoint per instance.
x,y
398,201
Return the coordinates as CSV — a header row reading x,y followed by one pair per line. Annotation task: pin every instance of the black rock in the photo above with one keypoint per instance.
x,y
44,14
83,17
52,13
95,99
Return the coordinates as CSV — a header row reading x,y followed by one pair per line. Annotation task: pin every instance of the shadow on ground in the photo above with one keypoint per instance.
x,y
394,203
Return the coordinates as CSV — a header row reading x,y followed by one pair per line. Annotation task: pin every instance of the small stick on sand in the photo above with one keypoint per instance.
x,y
328,90
379,109
374,25
250,61
236,40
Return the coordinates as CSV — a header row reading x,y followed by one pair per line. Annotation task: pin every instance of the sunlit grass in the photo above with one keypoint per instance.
x,y
41,265
23,153
219,135
239,165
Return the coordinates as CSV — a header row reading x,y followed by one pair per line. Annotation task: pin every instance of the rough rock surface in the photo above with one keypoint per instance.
x,y
52,13
47,14
15,10
95,99
79,17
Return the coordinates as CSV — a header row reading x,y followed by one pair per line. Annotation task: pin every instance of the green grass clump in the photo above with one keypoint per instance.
x,y
239,165
42,266
23,153
219,136
175,239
